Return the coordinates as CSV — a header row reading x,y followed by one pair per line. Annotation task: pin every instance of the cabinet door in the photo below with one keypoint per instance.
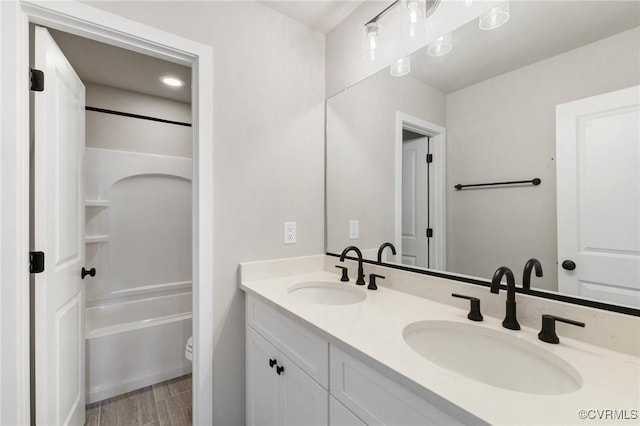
x,y
262,381
339,415
305,402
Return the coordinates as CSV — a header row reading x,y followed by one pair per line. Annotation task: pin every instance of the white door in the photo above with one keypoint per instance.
x,y
414,202
598,191
59,232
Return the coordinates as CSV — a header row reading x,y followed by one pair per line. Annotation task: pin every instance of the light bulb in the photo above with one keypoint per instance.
x,y
370,42
495,18
401,67
469,3
440,46
413,17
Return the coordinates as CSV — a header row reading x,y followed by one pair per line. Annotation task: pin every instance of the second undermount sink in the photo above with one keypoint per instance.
x,y
326,293
492,357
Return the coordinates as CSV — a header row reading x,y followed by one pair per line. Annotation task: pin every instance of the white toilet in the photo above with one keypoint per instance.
x,y
188,350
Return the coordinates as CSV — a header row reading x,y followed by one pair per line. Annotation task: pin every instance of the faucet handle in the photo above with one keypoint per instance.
x,y
345,273
372,281
548,331
474,311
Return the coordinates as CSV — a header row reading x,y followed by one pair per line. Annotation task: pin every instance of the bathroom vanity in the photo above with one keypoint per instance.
x,y
320,351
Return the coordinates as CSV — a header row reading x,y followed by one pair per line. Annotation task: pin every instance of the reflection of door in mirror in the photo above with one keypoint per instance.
x,y
415,199
598,170
420,192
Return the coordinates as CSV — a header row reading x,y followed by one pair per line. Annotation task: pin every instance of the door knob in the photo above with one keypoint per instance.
x,y
91,272
569,265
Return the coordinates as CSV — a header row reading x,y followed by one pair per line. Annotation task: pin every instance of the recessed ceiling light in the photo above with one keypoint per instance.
x,y
172,81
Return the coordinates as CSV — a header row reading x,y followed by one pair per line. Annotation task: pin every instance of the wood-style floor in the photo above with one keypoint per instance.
x,y
163,404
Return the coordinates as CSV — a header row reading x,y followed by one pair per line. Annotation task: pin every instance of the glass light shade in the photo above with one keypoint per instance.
x,y
495,18
440,46
370,42
412,18
401,67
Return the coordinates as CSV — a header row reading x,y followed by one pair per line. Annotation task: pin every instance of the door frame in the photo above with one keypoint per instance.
x,y
94,24
437,135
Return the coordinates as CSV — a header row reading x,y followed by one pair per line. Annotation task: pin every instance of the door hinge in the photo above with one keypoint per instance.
x,y
429,158
36,77
429,232
36,262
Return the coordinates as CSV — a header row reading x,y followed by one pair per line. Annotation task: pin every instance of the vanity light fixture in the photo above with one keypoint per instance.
x,y
495,18
440,46
413,14
370,42
172,81
401,67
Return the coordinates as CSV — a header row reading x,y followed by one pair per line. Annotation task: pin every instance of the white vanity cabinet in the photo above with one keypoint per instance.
x,y
286,370
278,391
311,390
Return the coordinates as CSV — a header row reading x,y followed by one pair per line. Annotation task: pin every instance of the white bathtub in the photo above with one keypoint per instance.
x,y
135,344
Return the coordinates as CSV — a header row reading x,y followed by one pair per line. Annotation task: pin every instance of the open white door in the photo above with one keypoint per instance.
x,y
415,180
598,182
59,233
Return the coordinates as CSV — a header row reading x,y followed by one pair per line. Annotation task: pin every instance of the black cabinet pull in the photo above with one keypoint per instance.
x,y
569,265
91,272
279,370
272,362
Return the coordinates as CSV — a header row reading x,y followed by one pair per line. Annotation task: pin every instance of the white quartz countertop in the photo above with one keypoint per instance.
x,y
374,328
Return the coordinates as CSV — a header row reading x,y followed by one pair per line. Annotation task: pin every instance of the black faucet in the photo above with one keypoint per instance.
x,y
510,320
381,249
360,280
526,275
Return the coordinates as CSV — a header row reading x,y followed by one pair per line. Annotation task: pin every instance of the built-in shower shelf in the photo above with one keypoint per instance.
x,y
96,203
92,239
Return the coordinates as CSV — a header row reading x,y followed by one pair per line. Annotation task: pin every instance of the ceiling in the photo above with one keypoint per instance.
x,y
100,63
321,15
534,32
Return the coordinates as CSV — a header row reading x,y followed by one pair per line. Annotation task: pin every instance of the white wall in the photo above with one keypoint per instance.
x,y
109,131
361,157
345,66
268,125
502,129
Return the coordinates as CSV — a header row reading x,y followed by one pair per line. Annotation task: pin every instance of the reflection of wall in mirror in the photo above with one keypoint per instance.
x,y
361,155
504,129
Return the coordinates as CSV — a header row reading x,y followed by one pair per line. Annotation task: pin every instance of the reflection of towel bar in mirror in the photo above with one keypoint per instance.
x,y
535,181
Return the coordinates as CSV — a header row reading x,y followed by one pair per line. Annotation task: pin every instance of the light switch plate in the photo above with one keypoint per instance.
x,y
289,232
354,229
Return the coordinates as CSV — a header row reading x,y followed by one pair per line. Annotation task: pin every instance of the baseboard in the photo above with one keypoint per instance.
x,y
95,395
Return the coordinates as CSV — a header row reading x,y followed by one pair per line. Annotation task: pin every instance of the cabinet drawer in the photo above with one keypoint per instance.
x,y
378,400
307,350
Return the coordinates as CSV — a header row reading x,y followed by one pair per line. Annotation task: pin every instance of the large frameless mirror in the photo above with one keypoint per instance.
x,y
500,146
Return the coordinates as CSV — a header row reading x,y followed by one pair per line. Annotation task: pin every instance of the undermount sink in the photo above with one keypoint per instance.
x,y
492,357
326,293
